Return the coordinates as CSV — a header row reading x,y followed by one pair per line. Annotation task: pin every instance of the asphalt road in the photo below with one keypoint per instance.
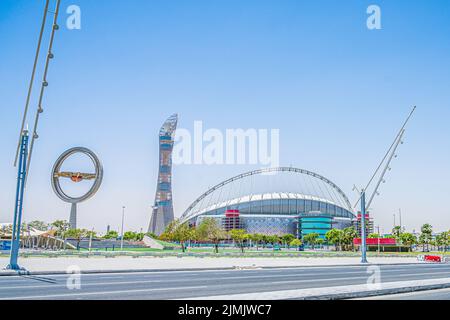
x,y
191,284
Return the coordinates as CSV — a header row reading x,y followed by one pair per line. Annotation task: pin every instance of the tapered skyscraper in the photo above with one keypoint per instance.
x,y
162,213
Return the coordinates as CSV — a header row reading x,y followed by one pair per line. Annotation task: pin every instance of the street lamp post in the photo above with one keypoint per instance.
x,y
123,218
363,227
378,227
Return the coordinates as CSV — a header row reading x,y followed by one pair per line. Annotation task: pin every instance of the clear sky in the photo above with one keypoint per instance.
x,y
337,91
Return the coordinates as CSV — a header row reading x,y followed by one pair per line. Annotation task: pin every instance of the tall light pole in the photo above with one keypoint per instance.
x,y
363,227
123,218
378,227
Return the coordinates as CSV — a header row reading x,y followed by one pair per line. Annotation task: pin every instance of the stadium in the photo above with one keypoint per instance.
x,y
274,201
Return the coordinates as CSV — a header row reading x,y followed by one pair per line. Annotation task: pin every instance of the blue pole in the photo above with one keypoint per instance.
x,y
363,227
18,207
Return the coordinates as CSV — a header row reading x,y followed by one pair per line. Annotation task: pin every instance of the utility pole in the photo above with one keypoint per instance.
x,y
378,227
400,217
18,207
363,227
394,220
24,148
123,218
90,239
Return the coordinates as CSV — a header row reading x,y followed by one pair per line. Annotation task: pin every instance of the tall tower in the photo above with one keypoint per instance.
x,y
162,213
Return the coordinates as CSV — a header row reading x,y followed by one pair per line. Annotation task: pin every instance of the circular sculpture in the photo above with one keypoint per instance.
x,y
76,177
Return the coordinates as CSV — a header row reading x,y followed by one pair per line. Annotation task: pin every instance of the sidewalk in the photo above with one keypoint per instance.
x,y
338,292
40,265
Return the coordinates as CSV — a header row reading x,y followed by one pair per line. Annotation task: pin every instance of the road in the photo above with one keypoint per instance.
x,y
191,284
442,294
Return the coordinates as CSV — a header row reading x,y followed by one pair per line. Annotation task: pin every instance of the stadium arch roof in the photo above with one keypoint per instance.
x,y
307,185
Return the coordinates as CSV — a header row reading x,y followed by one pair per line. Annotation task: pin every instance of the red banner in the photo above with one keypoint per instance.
x,y
375,241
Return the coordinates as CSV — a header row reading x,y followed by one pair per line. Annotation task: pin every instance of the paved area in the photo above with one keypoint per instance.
x,y
38,264
214,283
442,294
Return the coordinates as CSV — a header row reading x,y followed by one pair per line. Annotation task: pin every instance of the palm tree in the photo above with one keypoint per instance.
x,y
426,235
443,240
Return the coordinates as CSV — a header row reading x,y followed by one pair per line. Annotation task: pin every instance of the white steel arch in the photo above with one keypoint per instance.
x,y
189,214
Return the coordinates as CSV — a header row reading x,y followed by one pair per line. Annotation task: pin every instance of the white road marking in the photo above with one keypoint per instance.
x,y
99,293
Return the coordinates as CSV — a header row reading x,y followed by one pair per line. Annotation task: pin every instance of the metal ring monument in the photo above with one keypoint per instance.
x,y
76,177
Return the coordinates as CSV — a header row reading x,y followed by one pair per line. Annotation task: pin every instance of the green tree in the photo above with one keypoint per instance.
x,y
256,238
296,243
151,235
61,227
443,240
408,239
129,236
287,238
273,240
239,236
397,231
76,234
179,232
311,239
426,236
320,242
210,230
334,236
111,234
348,234
373,236
38,225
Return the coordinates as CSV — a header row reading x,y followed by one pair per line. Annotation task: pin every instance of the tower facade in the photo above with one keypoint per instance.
x,y
162,213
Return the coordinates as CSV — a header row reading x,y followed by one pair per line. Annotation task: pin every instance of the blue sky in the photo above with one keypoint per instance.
x,y
337,91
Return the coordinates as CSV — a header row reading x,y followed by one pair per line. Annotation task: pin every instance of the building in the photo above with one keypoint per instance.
x,y
275,201
369,224
315,222
162,213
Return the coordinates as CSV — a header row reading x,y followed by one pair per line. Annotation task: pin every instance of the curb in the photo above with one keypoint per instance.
x,y
381,292
99,271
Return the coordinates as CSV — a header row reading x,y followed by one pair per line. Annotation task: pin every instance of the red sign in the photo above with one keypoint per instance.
x,y
232,213
375,241
432,258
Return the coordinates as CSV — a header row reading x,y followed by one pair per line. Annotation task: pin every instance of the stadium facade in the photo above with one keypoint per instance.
x,y
275,201
162,213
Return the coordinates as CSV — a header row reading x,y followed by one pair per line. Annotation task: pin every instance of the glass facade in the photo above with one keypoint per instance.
x,y
285,207
281,216
315,223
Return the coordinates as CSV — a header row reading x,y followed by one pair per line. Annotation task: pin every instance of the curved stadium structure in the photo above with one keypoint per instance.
x,y
275,201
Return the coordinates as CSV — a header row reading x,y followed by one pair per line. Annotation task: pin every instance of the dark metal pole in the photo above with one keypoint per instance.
x,y
363,227
18,206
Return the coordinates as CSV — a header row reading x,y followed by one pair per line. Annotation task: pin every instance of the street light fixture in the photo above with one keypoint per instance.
x,y
123,218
